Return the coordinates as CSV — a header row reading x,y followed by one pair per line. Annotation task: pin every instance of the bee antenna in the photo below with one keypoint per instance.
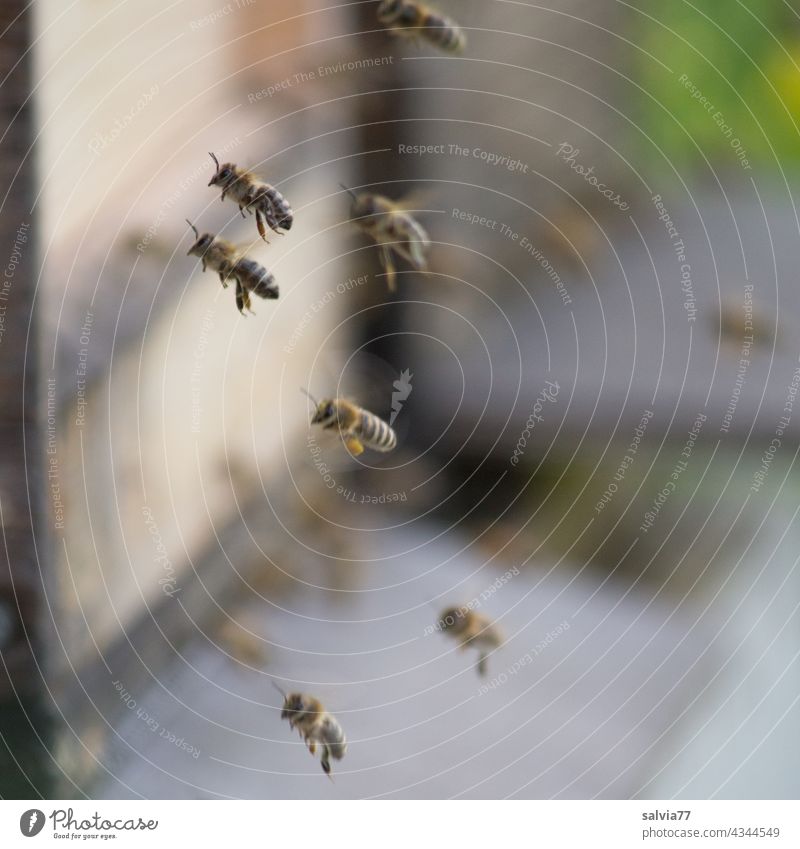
x,y
216,161
282,692
349,191
193,228
313,399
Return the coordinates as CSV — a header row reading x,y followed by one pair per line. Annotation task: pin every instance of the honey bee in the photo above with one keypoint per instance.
x,y
357,427
225,258
413,20
393,228
253,195
472,630
315,725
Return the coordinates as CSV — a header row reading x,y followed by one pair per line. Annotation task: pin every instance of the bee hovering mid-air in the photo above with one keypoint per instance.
x,y
315,725
226,259
415,21
358,428
393,228
472,630
254,195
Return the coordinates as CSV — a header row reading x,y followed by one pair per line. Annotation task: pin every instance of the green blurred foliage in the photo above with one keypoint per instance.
x,y
744,56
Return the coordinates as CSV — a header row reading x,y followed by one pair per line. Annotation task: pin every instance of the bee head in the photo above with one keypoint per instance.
x,y
325,412
389,10
451,618
293,706
226,173
202,244
363,204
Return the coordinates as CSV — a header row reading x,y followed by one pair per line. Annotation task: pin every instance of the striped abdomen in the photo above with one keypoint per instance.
x,y
441,31
254,277
274,207
332,736
414,20
375,433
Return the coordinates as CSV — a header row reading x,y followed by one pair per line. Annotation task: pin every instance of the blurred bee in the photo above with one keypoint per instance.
x,y
413,20
315,725
241,644
225,258
759,328
393,228
253,195
357,427
472,630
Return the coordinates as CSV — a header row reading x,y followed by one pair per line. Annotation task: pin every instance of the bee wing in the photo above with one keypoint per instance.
x,y
417,199
244,250
413,252
388,266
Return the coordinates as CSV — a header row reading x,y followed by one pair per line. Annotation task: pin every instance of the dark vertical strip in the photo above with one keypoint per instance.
x,y
24,741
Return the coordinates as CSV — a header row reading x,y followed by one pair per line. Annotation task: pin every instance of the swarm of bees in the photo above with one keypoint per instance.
x,y
397,233
416,21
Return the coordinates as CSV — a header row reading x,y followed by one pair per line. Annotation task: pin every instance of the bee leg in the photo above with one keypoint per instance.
x,y
326,763
241,211
223,280
260,224
246,295
354,446
273,224
312,747
411,251
239,297
482,666
388,267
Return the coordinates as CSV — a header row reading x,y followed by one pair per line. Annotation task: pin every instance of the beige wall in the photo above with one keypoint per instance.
x,y
182,395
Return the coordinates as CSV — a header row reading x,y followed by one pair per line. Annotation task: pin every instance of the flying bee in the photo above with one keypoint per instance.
x,y
413,20
253,195
393,228
472,630
315,725
225,259
357,427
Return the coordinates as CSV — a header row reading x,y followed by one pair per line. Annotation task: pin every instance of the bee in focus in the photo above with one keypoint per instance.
x,y
393,228
357,427
413,20
315,725
253,195
472,630
225,258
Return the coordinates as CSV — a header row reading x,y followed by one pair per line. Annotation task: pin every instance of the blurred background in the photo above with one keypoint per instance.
x,y
594,389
